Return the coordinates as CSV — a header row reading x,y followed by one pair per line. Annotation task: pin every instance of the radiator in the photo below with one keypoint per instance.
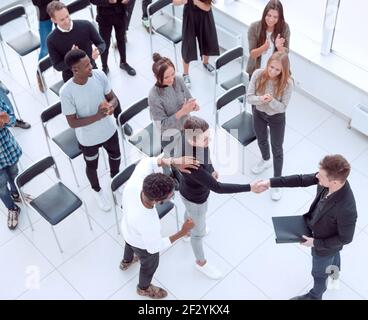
x,y
359,119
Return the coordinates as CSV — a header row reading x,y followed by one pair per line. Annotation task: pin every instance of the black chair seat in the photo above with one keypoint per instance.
x,y
243,125
55,88
171,30
25,43
56,203
68,143
164,209
151,147
239,79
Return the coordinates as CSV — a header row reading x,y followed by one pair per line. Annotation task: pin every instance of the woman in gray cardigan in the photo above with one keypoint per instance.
x,y
269,93
170,101
267,36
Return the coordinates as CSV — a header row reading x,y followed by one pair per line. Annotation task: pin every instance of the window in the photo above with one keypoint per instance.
x,y
350,42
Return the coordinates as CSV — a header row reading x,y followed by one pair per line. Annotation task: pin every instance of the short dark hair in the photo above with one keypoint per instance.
x,y
73,57
336,167
55,6
194,126
158,186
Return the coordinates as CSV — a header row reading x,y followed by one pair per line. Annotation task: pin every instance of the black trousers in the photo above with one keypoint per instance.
x,y
323,266
276,123
91,155
129,10
149,263
105,25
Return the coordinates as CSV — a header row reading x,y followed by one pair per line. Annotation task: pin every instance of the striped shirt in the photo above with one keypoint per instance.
x,y
10,151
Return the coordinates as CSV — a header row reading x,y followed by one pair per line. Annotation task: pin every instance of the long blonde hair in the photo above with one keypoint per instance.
x,y
282,79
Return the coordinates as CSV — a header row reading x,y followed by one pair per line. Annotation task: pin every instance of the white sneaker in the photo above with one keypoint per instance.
x,y
145,23
187,80
333,284
262,166
276,194
187,237
102,201
209,270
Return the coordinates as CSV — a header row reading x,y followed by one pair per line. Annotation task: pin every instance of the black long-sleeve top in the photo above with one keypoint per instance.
x,y
42,5
83,35
197,185
104,8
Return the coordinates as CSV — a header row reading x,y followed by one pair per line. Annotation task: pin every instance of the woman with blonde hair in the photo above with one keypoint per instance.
x,y
269,93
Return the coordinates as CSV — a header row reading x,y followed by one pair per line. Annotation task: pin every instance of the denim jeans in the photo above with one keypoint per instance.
x,y
7,176
323,266
44,29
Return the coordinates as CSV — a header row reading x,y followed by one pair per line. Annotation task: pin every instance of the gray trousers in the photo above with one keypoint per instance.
x,y
276,123
197,212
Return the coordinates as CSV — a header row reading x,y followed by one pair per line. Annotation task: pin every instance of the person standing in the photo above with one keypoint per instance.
x,y
112,14
44,28
269,93
88,102
198,24
10,152
267,36
71,34
140,225
129,10
331,217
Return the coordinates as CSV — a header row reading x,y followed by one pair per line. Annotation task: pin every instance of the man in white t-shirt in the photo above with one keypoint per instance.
x,y
140,226
88,102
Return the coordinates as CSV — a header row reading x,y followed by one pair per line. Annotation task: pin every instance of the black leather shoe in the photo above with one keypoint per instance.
x,y
106,70
303,297
128,69
22,124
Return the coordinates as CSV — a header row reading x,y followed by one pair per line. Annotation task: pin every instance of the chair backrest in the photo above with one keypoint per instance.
x,y
156,6
78,5
229,56
51,112
34,170
44,64
132,111
122,177
230,95
4,88
11,14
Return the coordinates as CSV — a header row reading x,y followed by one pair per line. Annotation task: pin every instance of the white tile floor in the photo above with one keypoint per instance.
x,y
241,241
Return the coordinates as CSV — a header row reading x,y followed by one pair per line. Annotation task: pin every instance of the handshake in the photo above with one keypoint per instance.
x,y
260,186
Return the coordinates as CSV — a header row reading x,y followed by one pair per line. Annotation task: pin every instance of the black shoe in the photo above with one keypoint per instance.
x,y
22,124
303,297
128,130
106,70
128,69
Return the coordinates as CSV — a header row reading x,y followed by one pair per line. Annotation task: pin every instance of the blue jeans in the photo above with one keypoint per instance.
x,y
323,266
7,176
44,29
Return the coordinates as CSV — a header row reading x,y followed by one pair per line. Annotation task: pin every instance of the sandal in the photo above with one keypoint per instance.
x,y
209,67
124,265
13,218
152,292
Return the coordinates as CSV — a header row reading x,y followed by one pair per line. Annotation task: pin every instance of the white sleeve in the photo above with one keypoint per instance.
x,y
67,104
153,241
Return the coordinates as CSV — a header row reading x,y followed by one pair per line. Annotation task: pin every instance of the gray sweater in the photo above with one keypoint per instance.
x,y
165,102
277,105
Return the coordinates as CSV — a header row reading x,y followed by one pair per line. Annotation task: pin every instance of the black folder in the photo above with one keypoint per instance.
x,y
290,229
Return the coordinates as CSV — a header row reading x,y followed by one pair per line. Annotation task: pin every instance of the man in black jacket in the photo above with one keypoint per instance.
x,y
112,14
331,217
71,34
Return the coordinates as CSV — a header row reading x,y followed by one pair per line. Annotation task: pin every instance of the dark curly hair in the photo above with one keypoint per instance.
x,y
157,186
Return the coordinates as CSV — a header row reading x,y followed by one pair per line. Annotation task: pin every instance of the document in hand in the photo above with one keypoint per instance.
x,y
290,229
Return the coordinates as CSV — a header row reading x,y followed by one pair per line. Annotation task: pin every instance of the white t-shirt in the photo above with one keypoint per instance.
x,y
141,226
266,55
83,100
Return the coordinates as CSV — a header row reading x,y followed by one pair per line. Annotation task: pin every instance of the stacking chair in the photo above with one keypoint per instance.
x,y
147,140
171,30
225,58
66,140
43,65
6,91
120,179
22,44
241,126
54,204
